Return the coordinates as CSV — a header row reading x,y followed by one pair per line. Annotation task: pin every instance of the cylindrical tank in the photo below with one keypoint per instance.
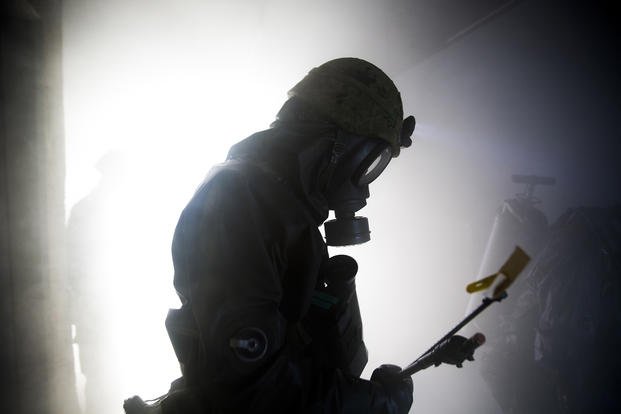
x,y
517,223
506,358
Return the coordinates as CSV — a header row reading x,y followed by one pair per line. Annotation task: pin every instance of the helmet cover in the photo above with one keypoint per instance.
x,y
357,96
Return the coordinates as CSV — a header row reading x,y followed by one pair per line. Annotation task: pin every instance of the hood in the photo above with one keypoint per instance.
x,y
297,154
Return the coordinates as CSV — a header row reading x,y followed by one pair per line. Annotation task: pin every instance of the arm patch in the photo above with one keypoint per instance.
x,y
249,344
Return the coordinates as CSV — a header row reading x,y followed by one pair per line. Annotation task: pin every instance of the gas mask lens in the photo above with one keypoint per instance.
x,y
373,165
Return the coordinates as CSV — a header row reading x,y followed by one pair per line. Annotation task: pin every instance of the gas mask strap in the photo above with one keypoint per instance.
x,y
338,149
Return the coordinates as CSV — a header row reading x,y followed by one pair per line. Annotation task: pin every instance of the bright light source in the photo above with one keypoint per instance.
x,y
174,112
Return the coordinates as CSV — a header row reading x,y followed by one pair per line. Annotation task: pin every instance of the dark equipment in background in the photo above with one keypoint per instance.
x,y
518,220
573,301
555,340
558,342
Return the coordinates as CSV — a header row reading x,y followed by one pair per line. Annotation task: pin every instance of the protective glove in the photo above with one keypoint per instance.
x,y
457,349
398,391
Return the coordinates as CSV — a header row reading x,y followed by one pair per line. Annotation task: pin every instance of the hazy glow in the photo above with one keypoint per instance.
x,y
174,112
174,87
174,83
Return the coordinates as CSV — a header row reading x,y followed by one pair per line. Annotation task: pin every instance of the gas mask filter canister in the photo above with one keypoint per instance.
x,y
347,229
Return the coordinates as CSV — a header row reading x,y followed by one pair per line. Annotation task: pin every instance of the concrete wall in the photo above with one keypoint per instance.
x,y
35,338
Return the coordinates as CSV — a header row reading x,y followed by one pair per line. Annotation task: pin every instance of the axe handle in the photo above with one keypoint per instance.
x,y
416,366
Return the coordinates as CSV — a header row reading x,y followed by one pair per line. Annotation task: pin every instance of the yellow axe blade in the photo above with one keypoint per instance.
x,y
510,270
482,284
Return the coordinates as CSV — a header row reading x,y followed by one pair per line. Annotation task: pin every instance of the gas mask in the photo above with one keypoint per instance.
x,y
356,161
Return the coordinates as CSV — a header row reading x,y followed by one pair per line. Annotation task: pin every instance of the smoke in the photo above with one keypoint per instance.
x,y
174,84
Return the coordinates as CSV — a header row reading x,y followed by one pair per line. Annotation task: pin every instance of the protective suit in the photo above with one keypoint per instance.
x,y
269,322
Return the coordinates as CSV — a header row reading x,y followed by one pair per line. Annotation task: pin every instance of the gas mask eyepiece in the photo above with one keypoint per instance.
x,y
373,165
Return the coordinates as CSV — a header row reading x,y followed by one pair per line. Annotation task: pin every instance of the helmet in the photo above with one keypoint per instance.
x,y
357,96
112,163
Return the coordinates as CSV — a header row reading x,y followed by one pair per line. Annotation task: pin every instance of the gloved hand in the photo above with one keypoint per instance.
x,y
398,390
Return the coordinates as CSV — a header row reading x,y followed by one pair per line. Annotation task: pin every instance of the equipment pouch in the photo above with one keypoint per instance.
x,y
334,317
